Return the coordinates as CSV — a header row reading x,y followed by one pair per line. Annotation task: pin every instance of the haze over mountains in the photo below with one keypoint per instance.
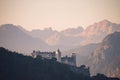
x,y
106,57
96,32
82,52
17,38
101,40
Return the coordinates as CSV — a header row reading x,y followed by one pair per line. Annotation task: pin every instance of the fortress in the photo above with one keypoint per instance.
x,y
56,54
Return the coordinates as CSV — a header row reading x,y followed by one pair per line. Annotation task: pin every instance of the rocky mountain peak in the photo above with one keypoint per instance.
x,y
105,21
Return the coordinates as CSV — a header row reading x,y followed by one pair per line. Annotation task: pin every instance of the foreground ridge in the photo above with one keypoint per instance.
x,y
15,66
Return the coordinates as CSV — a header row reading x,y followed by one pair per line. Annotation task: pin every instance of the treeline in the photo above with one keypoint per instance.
x,y
14,66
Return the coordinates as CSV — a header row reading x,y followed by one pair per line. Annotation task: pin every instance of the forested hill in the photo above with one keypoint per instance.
x,y
14,66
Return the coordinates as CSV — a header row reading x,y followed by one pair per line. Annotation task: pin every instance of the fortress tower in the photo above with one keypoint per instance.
x,y
74,58
58,55
34,54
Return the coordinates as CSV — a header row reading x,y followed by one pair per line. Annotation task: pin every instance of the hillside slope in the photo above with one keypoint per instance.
x,y
13,38
106,57
14,66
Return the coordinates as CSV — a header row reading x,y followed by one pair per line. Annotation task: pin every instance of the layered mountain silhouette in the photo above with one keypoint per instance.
x,y
78,36
12,37
61,39
96,32
103,59
106,57
17,38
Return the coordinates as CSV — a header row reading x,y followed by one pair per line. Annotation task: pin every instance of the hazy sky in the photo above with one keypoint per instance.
x,y
58,14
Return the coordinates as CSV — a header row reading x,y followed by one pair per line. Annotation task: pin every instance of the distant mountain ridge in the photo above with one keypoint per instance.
x,y
49,39
82,52
78,36
14,38
106,57
96,32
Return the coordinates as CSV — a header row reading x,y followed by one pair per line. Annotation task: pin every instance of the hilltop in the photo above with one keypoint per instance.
x,y
15,66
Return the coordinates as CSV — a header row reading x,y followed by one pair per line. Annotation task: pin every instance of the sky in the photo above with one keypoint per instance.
x,y
58,14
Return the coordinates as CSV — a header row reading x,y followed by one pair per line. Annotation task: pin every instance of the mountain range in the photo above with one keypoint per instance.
x,y
97,46
97,31
17,38
105,58
12,37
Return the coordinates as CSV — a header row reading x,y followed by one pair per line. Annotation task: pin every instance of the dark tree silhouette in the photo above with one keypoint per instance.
x,y
14,66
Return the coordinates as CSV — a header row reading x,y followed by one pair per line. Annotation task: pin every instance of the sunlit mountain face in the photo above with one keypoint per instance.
x,y
78,36
106,57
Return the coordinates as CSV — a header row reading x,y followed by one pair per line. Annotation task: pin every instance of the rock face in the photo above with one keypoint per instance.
x,y
106,57
96,32
72,31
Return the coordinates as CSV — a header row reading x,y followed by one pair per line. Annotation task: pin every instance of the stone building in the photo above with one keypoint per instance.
x,y
56,54
69,60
